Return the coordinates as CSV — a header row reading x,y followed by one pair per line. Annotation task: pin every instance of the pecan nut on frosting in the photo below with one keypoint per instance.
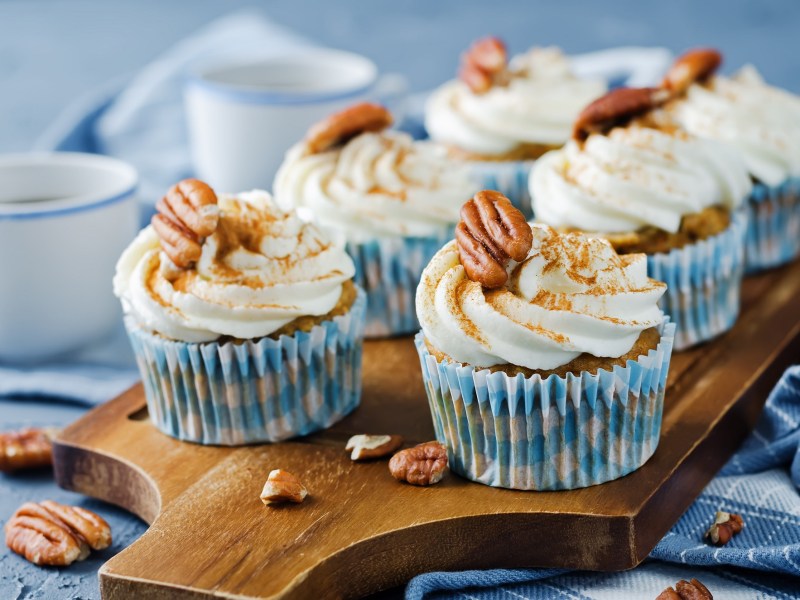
x,y
186,215
340,127
616,108
484,65
491,233
694,65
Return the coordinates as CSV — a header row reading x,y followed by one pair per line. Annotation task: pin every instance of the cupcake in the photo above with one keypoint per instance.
x,y
544,355
633,176
244,319
395,202
762,123
498,117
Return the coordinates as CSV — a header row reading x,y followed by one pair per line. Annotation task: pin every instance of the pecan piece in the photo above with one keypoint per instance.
x,y
366,447
616,108
341,127
491,232
686,590
27,448
54,534
725,526
282,486
423,464
484,65
188,213
694,65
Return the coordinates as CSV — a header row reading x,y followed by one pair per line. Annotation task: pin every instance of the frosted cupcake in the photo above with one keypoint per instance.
x,y
498,117
760,122
394,200
544,355
244,319
634,177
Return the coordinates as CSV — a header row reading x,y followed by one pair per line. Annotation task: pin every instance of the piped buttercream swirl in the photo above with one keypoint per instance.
x,y
762,122
261,269
571,295
537,107
636,176
376,185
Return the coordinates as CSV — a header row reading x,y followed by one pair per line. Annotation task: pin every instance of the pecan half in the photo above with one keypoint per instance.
x,y
423,464
187,214
725,526
484,65
366,447
27,448
282,486
686,590
53,534
491,232
340,127
616,108
694,65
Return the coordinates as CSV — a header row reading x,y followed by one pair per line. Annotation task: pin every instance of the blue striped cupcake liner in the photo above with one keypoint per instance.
x,y
508,177
557,433
704,282
773,233
389,270
254,391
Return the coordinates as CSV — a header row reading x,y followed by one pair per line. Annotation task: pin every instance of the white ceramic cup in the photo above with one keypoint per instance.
x,y
243,117
65,218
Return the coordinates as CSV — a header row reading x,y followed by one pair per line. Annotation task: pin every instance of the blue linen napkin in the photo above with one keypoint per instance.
x,y
755,483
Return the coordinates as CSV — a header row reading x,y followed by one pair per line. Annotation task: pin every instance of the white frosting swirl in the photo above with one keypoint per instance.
x,y
760,121
573,294
376,185
538,106
260,270
633,177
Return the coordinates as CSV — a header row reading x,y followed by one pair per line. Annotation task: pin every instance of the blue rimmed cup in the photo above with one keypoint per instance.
x,y
64,220
252,391
557,433
244,116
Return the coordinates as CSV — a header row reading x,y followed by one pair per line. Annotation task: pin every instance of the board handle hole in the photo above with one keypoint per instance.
x,y
139,415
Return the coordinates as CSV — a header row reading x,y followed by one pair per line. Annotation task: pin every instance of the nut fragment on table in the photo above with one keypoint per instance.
x,y
187,214
725,526
282,486
686,590
492,231
53,534
366,447
27,448
424,464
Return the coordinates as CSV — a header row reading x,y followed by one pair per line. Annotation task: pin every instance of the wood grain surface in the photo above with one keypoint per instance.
x,y
360,531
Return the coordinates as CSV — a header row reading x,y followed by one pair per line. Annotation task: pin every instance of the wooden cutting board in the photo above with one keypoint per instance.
x,y
360,531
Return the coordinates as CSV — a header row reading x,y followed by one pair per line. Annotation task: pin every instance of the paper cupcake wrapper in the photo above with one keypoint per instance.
x,y
254,391
508,177
773,232
389,270
557,433
704,282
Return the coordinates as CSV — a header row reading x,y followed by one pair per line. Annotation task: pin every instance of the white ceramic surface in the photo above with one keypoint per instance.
x,y
64,220
243,117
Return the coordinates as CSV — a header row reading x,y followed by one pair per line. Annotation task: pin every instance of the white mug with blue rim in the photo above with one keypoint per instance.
x,y
243,117
65,218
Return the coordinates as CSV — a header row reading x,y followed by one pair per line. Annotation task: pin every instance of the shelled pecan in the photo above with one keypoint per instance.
x,y
342,126
27,448
424,464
